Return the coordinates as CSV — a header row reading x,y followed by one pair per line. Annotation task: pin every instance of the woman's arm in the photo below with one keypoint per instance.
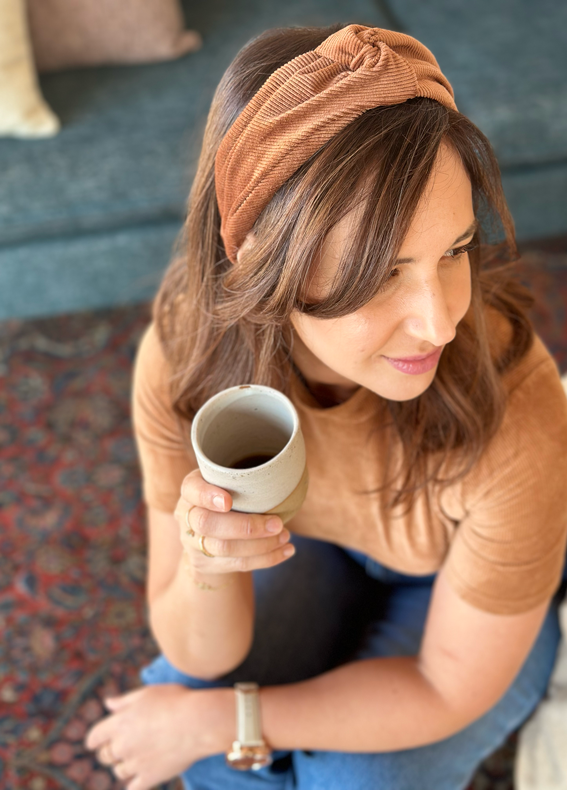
x,y
204,633
202,607
468,659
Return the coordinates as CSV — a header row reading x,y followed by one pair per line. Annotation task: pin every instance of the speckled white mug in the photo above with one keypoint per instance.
x,y
253,420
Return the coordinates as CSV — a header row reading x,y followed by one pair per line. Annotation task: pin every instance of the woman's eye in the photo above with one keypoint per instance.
x,y
388,281
453,254
456,252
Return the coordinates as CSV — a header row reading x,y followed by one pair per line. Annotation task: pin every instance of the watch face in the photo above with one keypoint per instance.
x,y
246,758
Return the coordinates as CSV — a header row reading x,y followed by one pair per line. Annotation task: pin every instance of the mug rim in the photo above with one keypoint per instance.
x,y
270,392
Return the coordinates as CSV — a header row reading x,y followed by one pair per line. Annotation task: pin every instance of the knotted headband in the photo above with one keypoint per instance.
x,y
305,103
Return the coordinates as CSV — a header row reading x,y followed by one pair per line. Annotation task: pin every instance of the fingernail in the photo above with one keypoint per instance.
x,y
218,501
273,525
284,536
289,551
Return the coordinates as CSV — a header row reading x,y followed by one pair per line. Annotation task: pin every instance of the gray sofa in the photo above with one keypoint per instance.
x,y
88,218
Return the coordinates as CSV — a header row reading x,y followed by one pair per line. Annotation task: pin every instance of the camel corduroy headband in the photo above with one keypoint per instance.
x,y
305,103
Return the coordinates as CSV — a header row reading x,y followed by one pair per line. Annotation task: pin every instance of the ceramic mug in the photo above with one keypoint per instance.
x,y
248,441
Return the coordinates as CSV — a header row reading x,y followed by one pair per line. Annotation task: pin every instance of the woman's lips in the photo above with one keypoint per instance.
x,y
416,365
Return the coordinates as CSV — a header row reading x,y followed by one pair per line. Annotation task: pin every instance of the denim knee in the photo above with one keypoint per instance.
x,y
162,671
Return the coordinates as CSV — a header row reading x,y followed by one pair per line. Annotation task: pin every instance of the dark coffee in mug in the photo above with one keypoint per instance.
x,y
250,461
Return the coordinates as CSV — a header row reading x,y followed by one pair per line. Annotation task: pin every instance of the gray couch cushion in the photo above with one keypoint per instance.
x,y
130,135
86,271
507,61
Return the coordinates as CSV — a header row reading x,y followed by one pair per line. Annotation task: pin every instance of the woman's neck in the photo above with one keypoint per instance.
x,y
326,393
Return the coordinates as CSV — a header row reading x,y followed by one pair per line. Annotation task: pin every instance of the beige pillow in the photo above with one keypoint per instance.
x,y
68,33
23,112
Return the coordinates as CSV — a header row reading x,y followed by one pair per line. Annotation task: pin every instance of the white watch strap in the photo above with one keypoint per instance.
x,y
249,726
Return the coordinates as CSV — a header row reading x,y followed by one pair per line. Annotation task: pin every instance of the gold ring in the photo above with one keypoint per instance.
x,y
202,547
190,531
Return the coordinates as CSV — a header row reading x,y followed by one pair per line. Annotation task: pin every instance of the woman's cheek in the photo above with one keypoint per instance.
x,y
334,343
350,338
317,336
342,343
463,293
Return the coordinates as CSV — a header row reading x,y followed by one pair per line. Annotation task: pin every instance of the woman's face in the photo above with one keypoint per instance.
x,y
392,345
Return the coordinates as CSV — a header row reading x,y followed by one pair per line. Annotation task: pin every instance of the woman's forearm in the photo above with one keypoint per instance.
x,y
376,705
204,633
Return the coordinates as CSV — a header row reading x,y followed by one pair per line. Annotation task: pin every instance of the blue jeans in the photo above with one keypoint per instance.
x,y
327,606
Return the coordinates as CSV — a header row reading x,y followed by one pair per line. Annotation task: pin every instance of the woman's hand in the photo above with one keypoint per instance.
x,y
237,541
157,732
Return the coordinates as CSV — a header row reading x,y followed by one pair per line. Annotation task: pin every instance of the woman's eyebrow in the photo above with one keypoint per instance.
x,y
468,232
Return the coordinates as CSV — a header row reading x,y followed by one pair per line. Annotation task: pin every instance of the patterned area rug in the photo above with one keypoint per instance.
x,y
72,535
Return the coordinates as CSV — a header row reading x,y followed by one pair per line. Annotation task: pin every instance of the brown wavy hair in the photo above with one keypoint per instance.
x,y
222,324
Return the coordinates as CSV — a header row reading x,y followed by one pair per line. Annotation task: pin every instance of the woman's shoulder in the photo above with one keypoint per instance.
x,y
536,403
536,364
151,368
150,350
152,407
508,552
164,451
531,442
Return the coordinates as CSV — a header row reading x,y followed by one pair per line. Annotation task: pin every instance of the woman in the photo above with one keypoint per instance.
x,y
346,243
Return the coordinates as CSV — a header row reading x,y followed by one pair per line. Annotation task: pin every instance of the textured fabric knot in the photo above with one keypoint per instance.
x,y
305,103
357,48
368,57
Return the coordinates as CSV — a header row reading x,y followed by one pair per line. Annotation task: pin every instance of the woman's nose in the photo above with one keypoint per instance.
x,y
428,317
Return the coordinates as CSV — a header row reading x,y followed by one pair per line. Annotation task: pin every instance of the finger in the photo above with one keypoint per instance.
x,y
242,564
98,734
233,525
137,783
121,701
259,561
244,548
124,771
197,491
105,755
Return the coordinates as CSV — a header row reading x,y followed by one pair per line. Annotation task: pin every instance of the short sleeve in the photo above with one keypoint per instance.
x,y
508,551
165,456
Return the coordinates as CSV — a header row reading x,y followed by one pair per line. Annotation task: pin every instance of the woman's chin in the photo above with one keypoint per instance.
x,y
402,386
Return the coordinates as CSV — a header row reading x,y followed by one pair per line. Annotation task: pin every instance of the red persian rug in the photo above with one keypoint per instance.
x,y
72,535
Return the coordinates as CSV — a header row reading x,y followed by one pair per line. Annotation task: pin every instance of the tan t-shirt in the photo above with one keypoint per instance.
x,y
500,533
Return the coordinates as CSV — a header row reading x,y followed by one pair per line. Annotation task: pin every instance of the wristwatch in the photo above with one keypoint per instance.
x,y
249,750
